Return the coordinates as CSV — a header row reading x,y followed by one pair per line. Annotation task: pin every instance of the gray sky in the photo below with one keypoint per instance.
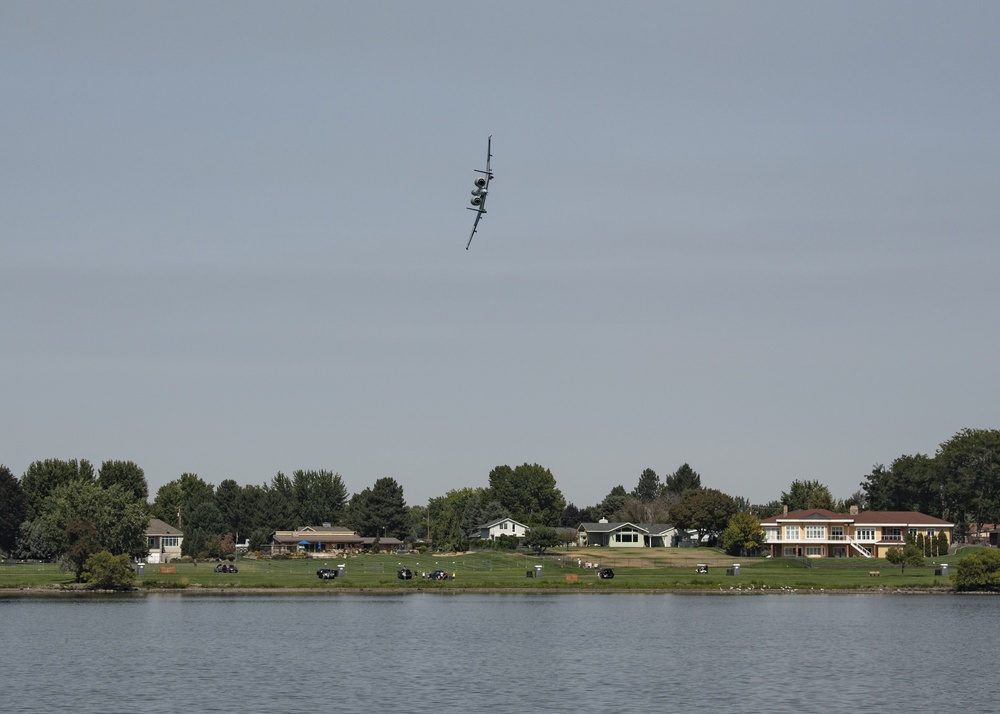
x,y
759,238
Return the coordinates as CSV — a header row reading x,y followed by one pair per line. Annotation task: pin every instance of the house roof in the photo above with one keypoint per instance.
x,y
498,521
648,528
898,518
887,518
157,527
317,534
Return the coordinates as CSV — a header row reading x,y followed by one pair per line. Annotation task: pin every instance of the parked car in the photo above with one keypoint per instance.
x,y
605,573
326,573
226,568
438,575
404,574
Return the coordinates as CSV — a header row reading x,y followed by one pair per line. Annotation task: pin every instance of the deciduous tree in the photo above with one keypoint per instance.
x,y
611,504
320,497
528,493
119,521
43,477
541,538
968,474
979,571
705,510
743,535
808,494
127,474
105,571
910,554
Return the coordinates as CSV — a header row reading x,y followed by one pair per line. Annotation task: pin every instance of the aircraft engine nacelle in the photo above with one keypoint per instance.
x,y
481,181
476,200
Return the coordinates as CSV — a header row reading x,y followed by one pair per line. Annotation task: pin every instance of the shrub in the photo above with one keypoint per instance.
x,y
109,572
979,571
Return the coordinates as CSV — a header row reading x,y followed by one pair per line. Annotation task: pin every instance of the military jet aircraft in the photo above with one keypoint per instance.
x,y
480,191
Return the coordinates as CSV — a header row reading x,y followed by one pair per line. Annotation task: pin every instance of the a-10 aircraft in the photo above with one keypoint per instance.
x,y
481,189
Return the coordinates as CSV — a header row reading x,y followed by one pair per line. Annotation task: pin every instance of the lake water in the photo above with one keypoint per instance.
x,y
437,652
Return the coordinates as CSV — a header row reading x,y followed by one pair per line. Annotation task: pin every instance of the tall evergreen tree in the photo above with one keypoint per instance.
x,y
683,479
648,489
13,507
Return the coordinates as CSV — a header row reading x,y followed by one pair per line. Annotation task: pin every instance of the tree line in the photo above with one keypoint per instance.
x,y
67,509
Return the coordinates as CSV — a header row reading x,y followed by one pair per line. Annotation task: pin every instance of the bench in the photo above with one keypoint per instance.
x,y
873,573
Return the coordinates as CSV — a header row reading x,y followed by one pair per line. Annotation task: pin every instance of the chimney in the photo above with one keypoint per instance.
x,y
854,510
786,509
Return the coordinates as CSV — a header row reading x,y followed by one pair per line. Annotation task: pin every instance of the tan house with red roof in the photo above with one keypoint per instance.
x,y
819,533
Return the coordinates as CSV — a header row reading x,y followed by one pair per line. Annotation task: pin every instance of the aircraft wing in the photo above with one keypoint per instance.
x,y
481,190
475,224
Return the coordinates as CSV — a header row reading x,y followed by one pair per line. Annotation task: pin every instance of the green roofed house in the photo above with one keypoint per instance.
x,y
628,535
163,540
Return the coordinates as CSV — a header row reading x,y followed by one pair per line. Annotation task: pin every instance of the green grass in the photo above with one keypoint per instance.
x,y
646,570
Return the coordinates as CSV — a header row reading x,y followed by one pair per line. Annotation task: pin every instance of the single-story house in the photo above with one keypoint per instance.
x,y
819,533
163,540
385,543
316,539
502,526
627,535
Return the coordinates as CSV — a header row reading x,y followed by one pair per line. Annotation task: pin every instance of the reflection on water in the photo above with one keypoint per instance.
x,y
438,652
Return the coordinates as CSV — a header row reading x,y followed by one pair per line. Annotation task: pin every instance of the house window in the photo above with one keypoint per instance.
x,y
150,541
791,532
789,552
627,537
814,550
503,526
815,531
865,534
772,533
892,534
169,541
930,532
836,533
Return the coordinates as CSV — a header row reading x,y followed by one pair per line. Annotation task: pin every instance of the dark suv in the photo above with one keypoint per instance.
x,y
326,573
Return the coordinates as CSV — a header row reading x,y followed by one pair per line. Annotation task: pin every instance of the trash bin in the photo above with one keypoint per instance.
x,y
529,573
942,570
736,569
141,567
538,571
340,571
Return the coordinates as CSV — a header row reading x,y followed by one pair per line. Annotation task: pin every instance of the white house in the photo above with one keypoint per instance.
x,y
502,526
163,540
627,535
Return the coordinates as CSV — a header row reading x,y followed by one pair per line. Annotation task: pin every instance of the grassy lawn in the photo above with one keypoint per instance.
x,y
642,569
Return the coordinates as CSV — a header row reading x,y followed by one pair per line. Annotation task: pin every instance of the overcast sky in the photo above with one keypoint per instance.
x,y
759,238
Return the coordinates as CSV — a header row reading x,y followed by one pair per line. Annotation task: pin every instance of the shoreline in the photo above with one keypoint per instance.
x,y
61,591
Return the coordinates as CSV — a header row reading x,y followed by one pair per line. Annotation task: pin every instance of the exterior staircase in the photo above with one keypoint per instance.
x,y
860,548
